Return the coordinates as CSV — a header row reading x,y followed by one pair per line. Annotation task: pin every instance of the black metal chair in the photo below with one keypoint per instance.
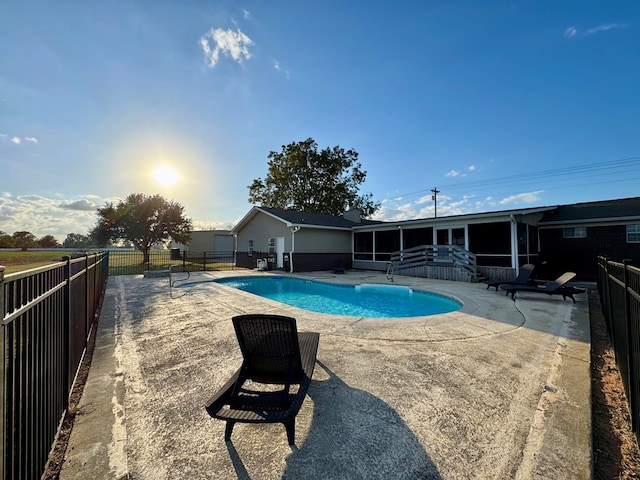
x,y
556,287
274,353
338,266
523,278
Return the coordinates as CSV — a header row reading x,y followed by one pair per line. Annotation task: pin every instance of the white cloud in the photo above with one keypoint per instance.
x,y
471,168
573,31
246,13
452,173
234,45
47,216
17,140
602,28
527,197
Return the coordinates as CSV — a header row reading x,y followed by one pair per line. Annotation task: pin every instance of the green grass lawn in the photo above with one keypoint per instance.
x,y
125,262
20,261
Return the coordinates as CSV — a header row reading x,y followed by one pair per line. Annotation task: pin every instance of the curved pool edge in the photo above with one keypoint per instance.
x,y
483,311
448,289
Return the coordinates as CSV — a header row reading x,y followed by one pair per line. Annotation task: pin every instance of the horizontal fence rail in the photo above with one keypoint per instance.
x,y
619,289
47,317
130,262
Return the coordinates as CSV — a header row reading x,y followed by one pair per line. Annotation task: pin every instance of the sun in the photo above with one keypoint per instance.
x,y
166,176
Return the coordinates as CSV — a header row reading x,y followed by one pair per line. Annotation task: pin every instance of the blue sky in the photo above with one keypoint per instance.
x,y
498,104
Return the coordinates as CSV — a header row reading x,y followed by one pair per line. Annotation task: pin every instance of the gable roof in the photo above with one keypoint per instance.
x,y
618,210
294,218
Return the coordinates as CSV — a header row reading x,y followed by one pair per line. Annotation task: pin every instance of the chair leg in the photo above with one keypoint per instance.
x,y
291,431
228,429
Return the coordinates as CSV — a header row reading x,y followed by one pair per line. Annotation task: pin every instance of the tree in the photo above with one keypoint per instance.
x,y
24,240
76,240
301,178
48,241
6,240
143,220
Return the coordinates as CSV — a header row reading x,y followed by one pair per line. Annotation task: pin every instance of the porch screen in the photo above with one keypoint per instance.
x,y
363,245
387,241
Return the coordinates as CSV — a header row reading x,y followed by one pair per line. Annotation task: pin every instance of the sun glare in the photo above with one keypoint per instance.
x,y
166,175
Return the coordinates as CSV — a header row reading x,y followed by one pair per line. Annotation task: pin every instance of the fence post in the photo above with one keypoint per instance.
x,y
631,368
3,365
67,327
87,313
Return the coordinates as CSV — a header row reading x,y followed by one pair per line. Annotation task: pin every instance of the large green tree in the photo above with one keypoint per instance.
x,y
302,178
143,220
24,240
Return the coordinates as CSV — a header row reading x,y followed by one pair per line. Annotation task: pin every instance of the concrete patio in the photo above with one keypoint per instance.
x,y
499,389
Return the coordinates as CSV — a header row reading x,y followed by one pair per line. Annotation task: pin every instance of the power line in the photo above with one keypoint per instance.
x,y
565,174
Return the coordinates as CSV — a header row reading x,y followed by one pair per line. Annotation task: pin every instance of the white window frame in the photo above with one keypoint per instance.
x,y
250,249
633,231
576,232
272,247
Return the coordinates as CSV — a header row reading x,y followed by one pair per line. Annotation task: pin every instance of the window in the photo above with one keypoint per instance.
x,y
387,242
574,232
272,247
633,233
363,243
250,250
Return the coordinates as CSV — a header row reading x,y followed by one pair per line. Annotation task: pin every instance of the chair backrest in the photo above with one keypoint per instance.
x,y
270,348
525,273
560,281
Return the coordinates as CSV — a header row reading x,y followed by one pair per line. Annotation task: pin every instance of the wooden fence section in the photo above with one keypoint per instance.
x,y
47,316
443,262
619,288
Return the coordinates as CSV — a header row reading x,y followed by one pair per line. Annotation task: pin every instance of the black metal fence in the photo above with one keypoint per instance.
x,y
619,288
47,316
129,262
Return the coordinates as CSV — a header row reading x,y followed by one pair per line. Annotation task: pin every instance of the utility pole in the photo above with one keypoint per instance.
x,y
434,197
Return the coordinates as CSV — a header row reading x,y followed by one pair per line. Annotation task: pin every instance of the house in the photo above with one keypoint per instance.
x,y
210,241
295,241
459,247
573,236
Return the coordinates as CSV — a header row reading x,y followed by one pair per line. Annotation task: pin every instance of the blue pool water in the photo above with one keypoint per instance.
x,y
368,300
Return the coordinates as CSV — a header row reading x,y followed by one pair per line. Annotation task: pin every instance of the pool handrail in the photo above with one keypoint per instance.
x,y
173,282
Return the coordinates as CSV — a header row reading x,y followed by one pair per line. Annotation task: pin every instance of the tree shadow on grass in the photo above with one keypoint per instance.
x,y
354,434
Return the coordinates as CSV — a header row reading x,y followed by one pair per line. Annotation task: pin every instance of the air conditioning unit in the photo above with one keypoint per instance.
x,y
262,264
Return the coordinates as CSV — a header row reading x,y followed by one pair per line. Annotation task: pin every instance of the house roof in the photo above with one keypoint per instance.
x,y
467,217
618,210
295,218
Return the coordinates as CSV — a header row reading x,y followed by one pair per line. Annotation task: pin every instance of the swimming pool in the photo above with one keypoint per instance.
x,y
366,300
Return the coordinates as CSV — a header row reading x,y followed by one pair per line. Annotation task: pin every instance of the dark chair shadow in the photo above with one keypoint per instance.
x,y
354,434
238,466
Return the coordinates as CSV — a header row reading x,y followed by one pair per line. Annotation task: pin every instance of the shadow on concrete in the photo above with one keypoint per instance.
x,y
354,434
